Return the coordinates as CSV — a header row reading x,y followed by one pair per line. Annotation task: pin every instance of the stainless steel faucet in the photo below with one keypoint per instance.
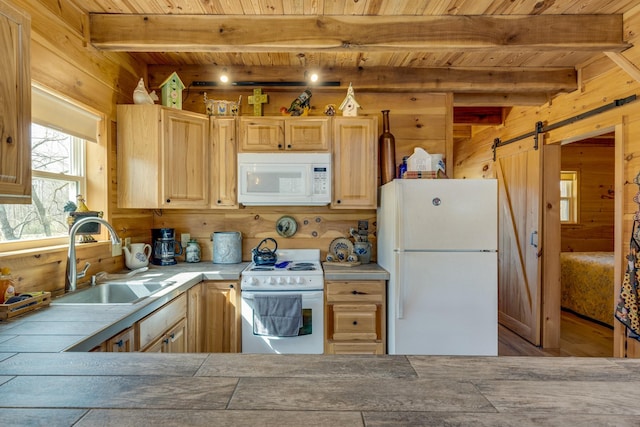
x,y
71,280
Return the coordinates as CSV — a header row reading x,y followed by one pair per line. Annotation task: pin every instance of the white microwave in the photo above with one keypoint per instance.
x,y
284,179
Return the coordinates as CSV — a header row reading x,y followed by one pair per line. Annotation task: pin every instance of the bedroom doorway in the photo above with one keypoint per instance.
x,y
587,236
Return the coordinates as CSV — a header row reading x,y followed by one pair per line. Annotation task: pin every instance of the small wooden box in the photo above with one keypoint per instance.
x,y
8,311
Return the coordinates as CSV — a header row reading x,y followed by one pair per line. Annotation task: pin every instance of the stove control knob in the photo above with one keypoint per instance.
x,y
281,280
269,281
289,280
299,280
252,281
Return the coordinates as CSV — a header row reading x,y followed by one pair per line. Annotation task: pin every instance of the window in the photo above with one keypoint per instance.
x,y
569,197
59,134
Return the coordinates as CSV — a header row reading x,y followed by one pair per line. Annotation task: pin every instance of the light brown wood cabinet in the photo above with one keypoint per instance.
x,y
122,342
355,317
165,329
224,175
214,317
271,134
163,158
173,341
15,105
355,163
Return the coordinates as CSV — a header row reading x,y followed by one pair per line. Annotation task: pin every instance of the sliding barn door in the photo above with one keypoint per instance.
x,y
519,279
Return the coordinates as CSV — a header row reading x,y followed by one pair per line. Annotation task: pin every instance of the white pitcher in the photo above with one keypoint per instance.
x,y
137,256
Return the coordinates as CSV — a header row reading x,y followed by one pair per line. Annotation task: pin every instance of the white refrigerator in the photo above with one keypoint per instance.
x,y
438,240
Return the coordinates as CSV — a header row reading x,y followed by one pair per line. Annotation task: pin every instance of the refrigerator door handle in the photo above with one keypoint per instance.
x,y
399,288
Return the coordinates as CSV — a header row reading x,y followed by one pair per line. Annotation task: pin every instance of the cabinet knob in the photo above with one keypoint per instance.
x,y
219,201
355,322
279,145
120,343
338,201
289,146
166,340
9,140
231,286
168,200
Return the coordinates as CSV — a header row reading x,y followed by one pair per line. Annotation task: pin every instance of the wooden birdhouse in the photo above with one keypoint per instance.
x,y
172,91
349,106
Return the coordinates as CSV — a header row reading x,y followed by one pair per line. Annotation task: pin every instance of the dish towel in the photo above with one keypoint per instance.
x,y
277,315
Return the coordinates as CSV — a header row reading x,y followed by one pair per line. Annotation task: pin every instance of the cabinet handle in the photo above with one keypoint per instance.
x,y
9,140
166,340
354,292
120,343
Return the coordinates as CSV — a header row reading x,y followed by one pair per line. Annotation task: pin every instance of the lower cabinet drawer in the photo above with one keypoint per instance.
x,y
160,321
354,322
355,348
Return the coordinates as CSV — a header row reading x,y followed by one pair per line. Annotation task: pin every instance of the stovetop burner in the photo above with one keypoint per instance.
x,y
302,266
262,269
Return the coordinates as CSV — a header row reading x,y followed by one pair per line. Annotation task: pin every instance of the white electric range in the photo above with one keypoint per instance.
x,y
297,273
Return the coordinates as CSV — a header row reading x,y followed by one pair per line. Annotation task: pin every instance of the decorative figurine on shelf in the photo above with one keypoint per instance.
x,y
330,110
301,105
172,91
349,106
141,96
257,99
217,107
80,211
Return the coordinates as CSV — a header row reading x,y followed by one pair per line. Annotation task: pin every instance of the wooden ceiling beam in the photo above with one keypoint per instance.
x,y
390,79
305,33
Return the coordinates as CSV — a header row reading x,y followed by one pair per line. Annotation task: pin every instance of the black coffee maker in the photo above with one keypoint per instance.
x,y
164,246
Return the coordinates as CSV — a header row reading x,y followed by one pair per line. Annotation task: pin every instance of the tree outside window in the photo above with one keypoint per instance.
x,y
58,177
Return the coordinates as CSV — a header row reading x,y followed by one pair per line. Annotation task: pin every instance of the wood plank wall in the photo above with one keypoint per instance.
x,y
594,161
63,61
473,157
416,120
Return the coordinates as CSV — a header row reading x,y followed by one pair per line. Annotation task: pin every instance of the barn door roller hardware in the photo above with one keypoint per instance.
x,y
541,128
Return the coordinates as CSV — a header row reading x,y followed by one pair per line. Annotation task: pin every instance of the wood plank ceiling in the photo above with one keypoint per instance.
x,y
505,52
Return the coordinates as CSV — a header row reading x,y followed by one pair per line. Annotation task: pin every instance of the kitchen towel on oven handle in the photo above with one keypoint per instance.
x,y
277,315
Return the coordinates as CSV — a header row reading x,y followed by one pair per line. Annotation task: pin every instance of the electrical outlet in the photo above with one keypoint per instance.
x,y
184,239
127,242
116,250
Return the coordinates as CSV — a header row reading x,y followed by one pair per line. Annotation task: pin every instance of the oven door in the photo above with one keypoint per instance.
x,y
310,339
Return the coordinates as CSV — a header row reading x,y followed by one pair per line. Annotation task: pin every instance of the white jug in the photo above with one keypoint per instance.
x,y
137,256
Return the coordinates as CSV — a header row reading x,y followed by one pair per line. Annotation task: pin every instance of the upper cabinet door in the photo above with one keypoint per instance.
x,y
224,176
307,134
261,134
185,160
15,106
355,163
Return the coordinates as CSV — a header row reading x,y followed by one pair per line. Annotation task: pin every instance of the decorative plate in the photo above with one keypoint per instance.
x,y
341,248
286,226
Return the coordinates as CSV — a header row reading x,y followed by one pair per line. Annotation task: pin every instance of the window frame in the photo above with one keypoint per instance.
x,y
573,199
94,187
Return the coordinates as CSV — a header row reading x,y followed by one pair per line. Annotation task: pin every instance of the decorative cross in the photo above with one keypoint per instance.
x,y
257,99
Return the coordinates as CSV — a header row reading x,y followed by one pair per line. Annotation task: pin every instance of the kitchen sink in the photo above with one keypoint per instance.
x,y
112,293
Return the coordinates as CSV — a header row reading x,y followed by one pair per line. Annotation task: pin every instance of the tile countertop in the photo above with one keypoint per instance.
x,y
82,327
370,271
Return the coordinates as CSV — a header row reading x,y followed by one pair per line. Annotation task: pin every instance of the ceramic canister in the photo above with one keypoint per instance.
x,y
227,247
